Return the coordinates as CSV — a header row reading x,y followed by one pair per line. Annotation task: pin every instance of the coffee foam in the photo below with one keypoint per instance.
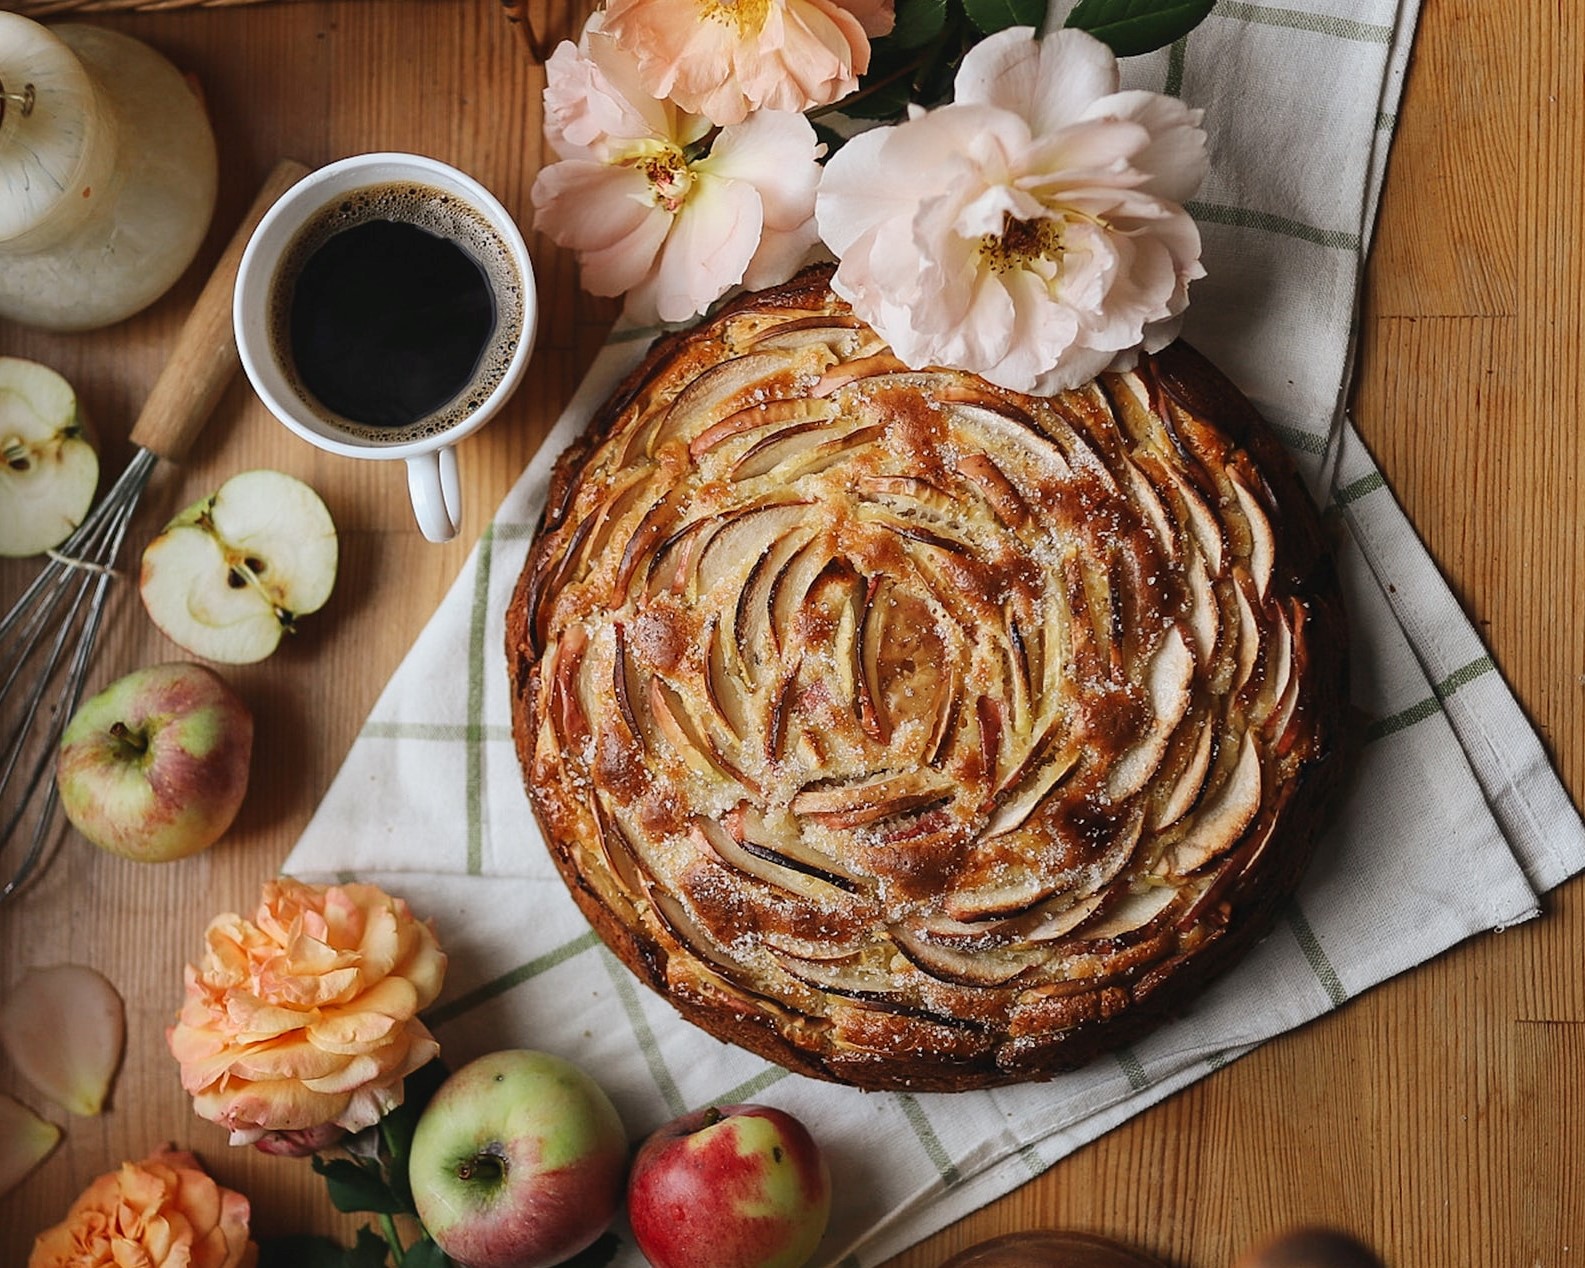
x,y
438,212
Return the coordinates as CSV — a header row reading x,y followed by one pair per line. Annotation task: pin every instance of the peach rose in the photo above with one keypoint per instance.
x,y
724,59
307,1015
164,1212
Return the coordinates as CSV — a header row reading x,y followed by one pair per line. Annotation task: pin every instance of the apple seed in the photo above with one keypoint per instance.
x,y
231,574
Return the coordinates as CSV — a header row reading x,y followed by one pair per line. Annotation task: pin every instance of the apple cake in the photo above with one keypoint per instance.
x,y
911,732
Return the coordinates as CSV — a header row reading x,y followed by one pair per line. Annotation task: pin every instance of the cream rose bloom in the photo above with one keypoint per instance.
x,y
307,1014
654,209
1032,231
164,1212
725,58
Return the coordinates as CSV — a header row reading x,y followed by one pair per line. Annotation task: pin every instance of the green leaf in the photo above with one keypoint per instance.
x,y
425,1254
1131,27
933,83
352,1188
918,22
828,137
369,1251
886,102
309,1252
991,16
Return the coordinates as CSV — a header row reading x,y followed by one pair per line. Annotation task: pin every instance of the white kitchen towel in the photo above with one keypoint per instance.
x,y
1452,824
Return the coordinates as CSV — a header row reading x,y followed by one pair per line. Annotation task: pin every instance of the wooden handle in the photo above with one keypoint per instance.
x,y
205,357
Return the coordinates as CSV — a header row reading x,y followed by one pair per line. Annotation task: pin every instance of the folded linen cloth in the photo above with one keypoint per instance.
x,y
1452,824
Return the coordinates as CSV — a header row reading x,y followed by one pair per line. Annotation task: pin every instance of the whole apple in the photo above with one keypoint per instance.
x,y
517,1161
732,1186
155,766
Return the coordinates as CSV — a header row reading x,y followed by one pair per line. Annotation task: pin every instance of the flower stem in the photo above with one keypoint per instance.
x,y
871,88
393,1239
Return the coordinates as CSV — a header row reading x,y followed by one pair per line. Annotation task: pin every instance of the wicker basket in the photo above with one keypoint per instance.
x,y
539,36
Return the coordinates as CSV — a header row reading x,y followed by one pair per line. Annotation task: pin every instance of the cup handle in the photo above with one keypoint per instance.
x,y
437,495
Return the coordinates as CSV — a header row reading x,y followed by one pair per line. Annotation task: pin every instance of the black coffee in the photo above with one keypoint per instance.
x,y
396,311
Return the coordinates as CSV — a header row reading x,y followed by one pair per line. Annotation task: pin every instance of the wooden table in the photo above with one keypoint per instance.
x,y
1439,1115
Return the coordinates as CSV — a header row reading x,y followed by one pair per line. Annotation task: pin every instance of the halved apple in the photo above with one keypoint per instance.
x,y
235,570
48,470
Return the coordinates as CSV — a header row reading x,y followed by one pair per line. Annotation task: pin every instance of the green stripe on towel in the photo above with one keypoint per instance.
x,y
1381,728
496,986
474,774
664,1083
1267,222
1298,20
1304,935
928,1140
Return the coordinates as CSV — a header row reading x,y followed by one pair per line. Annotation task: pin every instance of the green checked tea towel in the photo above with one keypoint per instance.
x,y
1299,102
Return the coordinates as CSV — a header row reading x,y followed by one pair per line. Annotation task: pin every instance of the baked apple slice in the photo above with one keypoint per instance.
x,y
48,470
232,573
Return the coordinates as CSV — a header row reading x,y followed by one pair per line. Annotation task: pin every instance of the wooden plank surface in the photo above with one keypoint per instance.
x,y
1438,1115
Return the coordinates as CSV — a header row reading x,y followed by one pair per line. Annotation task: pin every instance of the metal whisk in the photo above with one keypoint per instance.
x,y
47,638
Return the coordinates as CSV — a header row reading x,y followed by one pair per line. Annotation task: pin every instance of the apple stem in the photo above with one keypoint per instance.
x,y
488,1166
134,740
712,1116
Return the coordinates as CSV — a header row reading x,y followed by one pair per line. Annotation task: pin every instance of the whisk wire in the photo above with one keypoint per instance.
x,y
83,589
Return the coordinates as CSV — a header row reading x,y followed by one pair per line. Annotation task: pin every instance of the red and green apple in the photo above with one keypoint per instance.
x,y
155,766
517,1161
732,1186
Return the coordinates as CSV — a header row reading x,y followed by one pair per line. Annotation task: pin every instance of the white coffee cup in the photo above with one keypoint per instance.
x,y
428,445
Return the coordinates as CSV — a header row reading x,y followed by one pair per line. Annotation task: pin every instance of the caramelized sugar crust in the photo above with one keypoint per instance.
x,y
911,732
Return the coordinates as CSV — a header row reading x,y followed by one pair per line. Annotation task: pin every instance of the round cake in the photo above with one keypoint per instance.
x,y
911,732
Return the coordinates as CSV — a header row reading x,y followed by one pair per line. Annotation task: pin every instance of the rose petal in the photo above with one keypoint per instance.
x,y
1047,82
603,213
777,153
1175,157
25,1141
877,17
64,1028
712,239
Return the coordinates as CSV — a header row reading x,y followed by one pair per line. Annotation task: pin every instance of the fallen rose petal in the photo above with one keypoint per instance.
x,y
25,1141
64,1028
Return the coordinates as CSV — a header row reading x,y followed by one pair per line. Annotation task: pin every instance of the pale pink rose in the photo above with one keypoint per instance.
x,y
164,1212
307,1014
649,215
595,106
1033,230
724,58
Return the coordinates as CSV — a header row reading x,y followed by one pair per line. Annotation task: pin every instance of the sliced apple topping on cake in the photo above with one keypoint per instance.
x,y
910,731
